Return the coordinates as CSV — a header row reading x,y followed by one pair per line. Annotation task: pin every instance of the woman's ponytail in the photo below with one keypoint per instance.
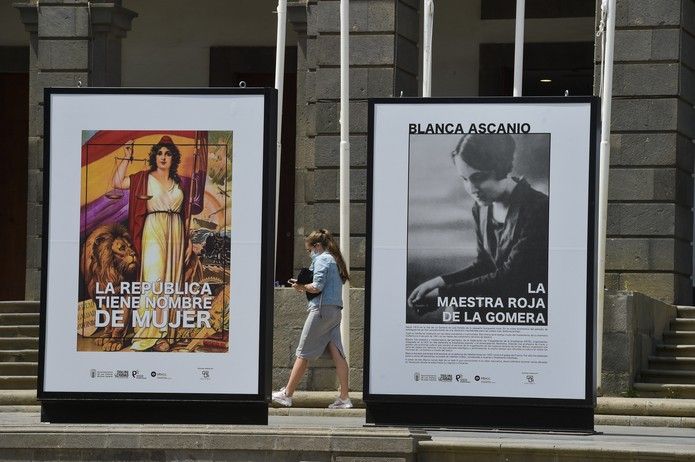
x,y
325,238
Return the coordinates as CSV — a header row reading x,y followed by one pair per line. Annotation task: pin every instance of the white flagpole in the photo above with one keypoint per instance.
x,y
605,159
279,84
428,21
345,164
519,46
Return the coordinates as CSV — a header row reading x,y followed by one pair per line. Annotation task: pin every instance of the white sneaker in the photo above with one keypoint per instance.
x,y
340,404
281,398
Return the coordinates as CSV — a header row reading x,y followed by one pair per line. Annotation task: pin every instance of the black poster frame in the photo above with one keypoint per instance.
x,y
213,408
490,412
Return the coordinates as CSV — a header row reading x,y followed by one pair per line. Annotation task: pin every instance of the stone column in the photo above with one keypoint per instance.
x,y
650,222
73,43
110,23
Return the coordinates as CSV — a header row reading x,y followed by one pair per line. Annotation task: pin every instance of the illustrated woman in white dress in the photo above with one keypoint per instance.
x,y
156,217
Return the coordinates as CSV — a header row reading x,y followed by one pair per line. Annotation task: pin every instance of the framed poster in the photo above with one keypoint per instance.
x,y
480,257
157,254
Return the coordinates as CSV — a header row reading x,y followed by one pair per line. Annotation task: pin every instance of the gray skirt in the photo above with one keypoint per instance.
x,y
322,326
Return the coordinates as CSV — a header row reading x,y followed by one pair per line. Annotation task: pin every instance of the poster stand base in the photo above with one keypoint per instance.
x,y
527,417
159,412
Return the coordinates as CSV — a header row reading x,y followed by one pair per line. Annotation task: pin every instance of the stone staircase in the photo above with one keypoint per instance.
x,y
19,351
671,369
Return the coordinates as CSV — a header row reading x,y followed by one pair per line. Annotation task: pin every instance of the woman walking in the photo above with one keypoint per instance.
x,y
322,325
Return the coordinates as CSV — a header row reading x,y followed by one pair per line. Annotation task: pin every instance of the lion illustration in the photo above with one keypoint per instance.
x,y
108,256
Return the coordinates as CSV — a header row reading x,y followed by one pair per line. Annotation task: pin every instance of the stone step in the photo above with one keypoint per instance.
x,y
18,382
683,324
653,412
488,448
665,350
675,337
320,399
661,407
668,376
19,331
664,390
623,420
685,311
18,397
19,368
19,343
672,363
25,438
19,307
23,409
30,355
19,319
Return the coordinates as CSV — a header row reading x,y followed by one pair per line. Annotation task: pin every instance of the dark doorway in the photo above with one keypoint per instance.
x,y
550,69
256,67
14,123
506,9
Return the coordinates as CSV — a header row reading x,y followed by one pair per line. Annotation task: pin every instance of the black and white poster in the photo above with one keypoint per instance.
x,y
480,252
478,229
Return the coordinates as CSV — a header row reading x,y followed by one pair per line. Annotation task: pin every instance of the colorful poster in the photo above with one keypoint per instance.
x,y
155,227
157,264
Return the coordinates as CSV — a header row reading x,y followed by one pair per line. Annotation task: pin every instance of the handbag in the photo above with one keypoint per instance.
x,y
306,276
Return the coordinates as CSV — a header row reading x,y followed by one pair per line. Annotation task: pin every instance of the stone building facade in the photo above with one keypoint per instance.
x,y
650,218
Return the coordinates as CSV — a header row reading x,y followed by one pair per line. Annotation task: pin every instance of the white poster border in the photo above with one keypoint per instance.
x,y
242,370
571,123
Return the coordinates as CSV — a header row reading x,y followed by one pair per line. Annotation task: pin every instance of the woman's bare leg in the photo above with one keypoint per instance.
x,y
341,369
298,370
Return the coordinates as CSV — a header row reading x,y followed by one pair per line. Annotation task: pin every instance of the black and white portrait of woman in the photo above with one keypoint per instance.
x,y
477,222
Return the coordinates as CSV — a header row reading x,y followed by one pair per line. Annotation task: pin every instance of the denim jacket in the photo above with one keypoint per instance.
x,y
327,280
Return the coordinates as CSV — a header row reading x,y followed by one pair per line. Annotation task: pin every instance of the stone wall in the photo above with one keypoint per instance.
x,y
650,222
288,319
633,325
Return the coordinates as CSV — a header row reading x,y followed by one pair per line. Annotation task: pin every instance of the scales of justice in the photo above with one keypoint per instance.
x,y
115,193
